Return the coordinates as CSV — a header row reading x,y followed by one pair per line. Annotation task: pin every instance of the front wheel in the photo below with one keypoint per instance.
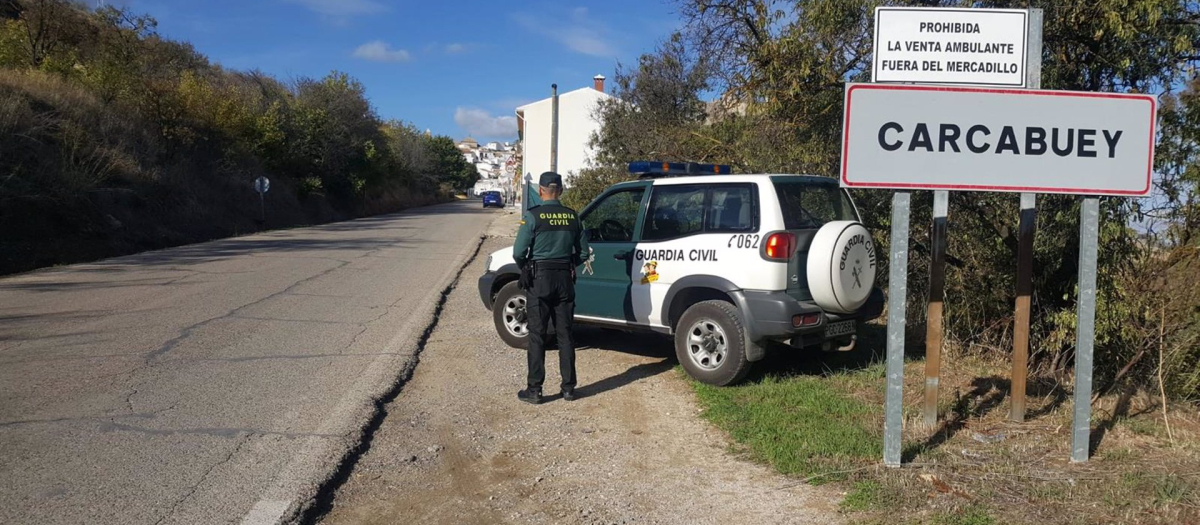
x,y
508,313
710,343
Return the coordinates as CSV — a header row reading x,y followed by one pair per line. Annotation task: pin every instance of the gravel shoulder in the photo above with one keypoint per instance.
x,y
457,447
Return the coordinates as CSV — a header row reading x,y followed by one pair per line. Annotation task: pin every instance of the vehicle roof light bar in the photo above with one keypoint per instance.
x,y
649,169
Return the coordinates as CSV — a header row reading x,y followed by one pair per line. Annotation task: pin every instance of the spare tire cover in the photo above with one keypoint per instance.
x,y
841,266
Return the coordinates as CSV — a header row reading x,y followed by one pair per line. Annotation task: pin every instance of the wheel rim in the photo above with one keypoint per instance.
x,y
707,345
515,319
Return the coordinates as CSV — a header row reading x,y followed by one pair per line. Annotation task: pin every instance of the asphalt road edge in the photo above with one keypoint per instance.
x,y
293,498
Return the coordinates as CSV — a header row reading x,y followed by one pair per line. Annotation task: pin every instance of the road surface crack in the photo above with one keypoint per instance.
x,y
196,487
187,332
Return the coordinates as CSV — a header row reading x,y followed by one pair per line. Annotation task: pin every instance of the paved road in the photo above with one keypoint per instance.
x,y
212,383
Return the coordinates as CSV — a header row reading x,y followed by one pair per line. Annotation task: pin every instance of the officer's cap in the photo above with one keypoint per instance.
x,y
550,178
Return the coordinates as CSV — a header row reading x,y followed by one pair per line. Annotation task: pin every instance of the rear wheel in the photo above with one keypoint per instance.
x,y
710,343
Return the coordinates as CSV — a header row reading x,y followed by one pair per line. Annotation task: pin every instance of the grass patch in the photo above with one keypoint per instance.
x,y
801,425
1142,426
869,494
970,515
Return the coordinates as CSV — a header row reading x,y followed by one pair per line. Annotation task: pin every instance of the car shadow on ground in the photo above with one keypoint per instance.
x,y
784,361
781,360
590,339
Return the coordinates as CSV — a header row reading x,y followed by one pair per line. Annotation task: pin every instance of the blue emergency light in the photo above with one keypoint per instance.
x,y
667,169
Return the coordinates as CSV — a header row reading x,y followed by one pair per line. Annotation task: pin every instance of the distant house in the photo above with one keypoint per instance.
x,y
486,169
576,124
468,144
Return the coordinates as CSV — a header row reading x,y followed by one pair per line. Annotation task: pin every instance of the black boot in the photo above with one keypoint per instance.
x,y
530,395
569,394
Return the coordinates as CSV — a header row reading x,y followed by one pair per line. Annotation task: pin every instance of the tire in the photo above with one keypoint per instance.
x,y
502,318
718,325
841,266
509,301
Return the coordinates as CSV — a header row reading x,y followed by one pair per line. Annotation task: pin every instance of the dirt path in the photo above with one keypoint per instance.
x,y
457,447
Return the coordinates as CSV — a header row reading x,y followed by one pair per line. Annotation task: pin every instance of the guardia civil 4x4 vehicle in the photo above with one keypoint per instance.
x,y
726,264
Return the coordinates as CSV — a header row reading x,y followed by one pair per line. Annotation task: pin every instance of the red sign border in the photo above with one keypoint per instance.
x,y
979,187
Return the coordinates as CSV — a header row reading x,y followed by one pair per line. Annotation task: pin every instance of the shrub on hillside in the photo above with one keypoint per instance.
x,y
116,139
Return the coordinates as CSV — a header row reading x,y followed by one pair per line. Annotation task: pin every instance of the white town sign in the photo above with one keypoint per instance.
x,y
950,46
980,139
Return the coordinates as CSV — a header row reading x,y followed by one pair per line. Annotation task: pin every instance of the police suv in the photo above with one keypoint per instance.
x,y
726,264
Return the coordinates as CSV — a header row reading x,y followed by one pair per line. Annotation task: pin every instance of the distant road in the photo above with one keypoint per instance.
x,y
212,383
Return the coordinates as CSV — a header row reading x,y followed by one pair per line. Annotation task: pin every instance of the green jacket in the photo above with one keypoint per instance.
x,y
550,231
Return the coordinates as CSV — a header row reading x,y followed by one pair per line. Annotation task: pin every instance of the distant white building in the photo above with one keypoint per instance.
x,y
485,169
576,124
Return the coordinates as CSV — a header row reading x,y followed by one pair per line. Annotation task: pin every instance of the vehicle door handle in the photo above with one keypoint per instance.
x,y
621,255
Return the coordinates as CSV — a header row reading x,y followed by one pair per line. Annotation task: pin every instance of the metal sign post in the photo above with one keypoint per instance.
x,y
893,421
933,316
262,185
1085,328
525,189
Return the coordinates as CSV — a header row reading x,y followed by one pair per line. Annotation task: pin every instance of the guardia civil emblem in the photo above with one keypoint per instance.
x,y
587,264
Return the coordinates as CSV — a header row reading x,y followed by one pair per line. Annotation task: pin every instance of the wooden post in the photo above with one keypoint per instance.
x,y
1020,357
933,317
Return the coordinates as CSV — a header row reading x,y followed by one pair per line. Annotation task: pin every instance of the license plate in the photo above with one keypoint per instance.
x,y
839,328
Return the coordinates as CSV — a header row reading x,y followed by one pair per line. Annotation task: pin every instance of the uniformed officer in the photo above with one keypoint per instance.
x,y
550,244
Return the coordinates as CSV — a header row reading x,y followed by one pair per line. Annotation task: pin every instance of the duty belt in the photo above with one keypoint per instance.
x,y
552,264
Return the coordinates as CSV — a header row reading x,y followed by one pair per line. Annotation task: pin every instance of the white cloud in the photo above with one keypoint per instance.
x,y
456,48
342,8
479,123
575,30
380,51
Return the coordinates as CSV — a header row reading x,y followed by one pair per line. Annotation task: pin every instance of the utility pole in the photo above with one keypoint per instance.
x,y
554,128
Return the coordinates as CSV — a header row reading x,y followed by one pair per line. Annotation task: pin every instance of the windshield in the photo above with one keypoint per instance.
x,y
806,205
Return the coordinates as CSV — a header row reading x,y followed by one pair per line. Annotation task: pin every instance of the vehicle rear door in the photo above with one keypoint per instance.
x,y
806,206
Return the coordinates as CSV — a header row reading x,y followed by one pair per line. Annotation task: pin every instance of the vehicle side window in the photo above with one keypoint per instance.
x,y
613,218
674,211
731,209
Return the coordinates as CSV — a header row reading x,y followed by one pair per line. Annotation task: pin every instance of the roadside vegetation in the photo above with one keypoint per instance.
x,y
115,139
818,418
759,84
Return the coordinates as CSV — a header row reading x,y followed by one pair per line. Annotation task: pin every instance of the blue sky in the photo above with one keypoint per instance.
x,y
456,67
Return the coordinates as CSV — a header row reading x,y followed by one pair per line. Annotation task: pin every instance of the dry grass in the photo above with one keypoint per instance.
x,y
976,466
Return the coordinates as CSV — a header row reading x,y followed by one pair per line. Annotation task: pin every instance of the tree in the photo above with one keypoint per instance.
x,y
46,24
449,165
337,131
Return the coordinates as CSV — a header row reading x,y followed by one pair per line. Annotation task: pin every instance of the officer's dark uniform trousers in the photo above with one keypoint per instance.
x,y
551,298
